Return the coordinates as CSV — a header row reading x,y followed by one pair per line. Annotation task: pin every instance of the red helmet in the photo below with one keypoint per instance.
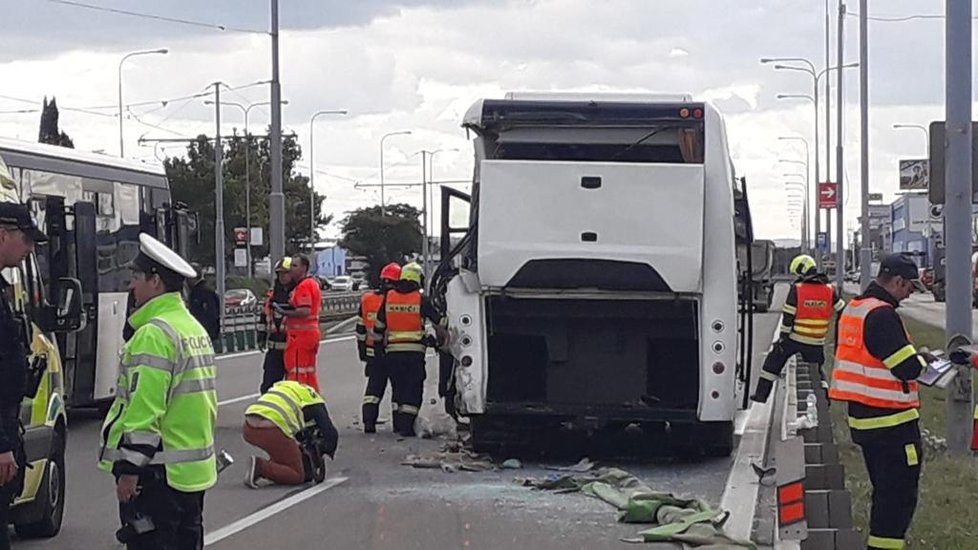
x,y
391,272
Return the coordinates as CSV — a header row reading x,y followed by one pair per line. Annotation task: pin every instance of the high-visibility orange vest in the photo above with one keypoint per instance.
x,y
405,327
369,306
274,323
860,377
815,312
308,288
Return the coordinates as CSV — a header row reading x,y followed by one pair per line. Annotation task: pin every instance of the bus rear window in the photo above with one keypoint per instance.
x,y
664,144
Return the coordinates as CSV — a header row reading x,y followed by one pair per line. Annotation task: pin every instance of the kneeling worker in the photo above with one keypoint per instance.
x,y
808,311
272,424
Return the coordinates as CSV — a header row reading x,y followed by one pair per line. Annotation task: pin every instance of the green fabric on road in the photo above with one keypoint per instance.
x,y
688,521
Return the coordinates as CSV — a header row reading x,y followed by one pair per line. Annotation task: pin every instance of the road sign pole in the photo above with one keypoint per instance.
x,y
957,211
865,253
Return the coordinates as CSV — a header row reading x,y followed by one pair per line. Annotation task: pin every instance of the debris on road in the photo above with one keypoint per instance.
x,y
511,464
452,458
584,465
688,521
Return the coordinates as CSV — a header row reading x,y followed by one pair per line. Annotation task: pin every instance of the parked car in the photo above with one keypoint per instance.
x,y
239,297
927,278
343,283
324,283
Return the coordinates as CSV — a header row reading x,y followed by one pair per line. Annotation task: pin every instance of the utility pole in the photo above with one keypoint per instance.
x,y
219,259
865,252
425,260
957,211
840,238
276,200
828,143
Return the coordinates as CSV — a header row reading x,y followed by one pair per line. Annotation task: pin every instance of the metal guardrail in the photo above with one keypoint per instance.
x,y
808,456
239,330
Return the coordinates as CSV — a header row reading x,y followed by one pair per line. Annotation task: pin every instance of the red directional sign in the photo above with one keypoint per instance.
x,y
828,195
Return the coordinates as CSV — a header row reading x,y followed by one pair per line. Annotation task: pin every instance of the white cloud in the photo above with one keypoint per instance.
x,y
420,68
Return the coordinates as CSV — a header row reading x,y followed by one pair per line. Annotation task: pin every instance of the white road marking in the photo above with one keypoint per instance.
x,y
255,351
269,511
237,399
254,395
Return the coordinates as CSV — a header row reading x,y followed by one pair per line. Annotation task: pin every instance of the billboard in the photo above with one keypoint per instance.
x,y
915,175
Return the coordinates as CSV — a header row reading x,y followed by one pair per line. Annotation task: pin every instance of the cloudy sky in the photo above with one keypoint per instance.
x,y
418,64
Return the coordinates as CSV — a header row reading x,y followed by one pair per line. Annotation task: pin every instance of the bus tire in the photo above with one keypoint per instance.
x,y
721,440
51,493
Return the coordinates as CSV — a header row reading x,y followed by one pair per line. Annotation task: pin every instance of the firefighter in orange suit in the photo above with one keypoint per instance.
x,y
271,336
875,372
400,331
807,314
376,368
302,325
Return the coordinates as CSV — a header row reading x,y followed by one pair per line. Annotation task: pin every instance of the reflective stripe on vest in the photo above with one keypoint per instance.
x,y
813,314
312,321
283,404
369,306
175,361
860,377
405,327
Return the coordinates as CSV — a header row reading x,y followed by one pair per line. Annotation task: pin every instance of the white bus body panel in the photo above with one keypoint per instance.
x,y
718,303
467,324
644,213
111,322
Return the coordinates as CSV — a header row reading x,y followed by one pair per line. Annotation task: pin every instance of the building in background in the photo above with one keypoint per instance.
x,y
912,227
331,261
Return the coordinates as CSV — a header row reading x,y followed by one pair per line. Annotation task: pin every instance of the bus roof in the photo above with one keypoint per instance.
x,y
62,160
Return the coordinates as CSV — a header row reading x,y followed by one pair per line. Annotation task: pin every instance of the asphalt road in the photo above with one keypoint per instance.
x,y
369,499
922,307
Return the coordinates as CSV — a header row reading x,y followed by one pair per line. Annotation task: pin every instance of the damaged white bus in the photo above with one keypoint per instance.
x,y
591,280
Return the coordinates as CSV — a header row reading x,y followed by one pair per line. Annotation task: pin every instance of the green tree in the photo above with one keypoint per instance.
x,y
382,239
192,182
49,132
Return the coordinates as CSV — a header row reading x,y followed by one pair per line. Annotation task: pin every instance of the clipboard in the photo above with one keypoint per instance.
x,y
938,374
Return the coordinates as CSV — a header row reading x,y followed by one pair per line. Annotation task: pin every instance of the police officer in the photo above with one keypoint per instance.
x,y
376,368
158,437
875,372
400,327
18,233
204,303
272,335
273,423
808,311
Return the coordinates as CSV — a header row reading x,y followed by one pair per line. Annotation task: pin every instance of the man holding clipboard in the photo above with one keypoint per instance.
x,y
875,372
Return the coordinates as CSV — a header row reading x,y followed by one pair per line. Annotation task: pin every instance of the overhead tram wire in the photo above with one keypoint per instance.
x,y
901,18
143,15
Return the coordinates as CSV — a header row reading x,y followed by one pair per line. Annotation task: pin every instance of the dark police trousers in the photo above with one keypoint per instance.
x,y
780,352
377,376
178,516
407,374
894,470
273,368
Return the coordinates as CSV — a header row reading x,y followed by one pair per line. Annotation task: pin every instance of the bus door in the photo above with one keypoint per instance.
x,y
70,252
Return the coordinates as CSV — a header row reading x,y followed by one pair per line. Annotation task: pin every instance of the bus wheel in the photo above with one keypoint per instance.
x,y
50,494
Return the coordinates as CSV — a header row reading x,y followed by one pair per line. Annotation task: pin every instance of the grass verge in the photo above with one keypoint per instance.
x,y
947,515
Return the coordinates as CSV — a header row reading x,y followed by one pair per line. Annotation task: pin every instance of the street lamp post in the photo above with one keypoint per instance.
x,y
804,141
161,51
312,174
383,204
809,69
806,194
920,127
246,109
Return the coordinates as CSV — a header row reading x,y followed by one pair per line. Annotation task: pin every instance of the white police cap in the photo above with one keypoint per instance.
x,y
160,254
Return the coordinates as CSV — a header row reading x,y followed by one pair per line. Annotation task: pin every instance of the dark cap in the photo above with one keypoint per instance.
x,y
901,265
17,215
